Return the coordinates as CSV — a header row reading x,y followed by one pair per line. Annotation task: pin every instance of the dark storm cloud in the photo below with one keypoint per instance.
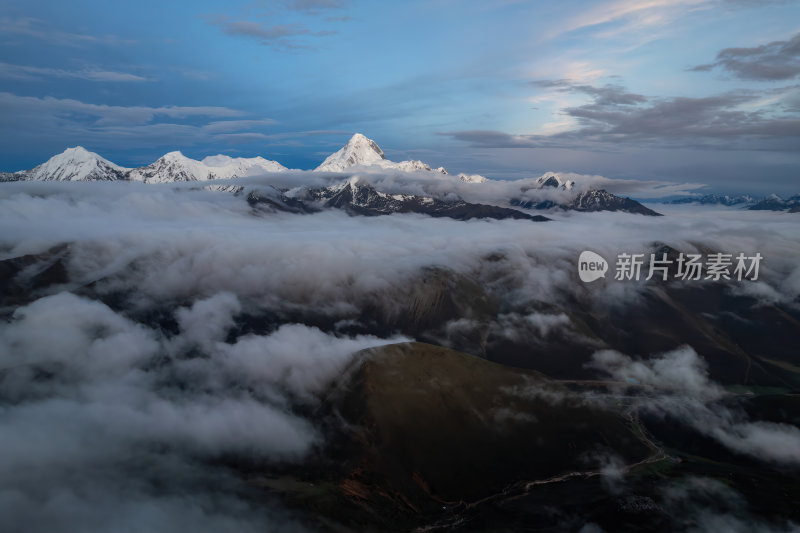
x,y
778,60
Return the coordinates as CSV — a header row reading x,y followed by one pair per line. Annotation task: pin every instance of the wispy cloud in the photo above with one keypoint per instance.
x,y
314,6
687,393
778,60
27,72
494,139
279,28
111,114
48,118
225,126
277,36
630,15
606,95
38,29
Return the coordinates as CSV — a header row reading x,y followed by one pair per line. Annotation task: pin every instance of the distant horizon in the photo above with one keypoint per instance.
x,y
700,91
688,193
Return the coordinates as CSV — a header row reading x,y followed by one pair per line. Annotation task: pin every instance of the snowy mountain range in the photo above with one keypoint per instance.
x,y
359,197
442,195
771,202
588,201
716,199
175,166
79,164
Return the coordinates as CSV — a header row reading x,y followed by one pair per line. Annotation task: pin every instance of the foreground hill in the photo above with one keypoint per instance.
x,y
423,438
427,430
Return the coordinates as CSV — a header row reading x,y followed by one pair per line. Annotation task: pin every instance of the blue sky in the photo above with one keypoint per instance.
x,y
683,90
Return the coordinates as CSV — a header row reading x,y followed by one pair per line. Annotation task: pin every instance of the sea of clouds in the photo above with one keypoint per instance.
x,y
114,424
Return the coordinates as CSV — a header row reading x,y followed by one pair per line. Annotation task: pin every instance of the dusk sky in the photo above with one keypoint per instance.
x,y
694,91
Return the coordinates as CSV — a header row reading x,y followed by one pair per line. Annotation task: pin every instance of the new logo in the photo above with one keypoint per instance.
x,y
591,266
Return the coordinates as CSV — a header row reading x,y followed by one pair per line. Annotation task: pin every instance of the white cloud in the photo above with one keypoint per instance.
x,y
99,404
633,14
102,414
683,390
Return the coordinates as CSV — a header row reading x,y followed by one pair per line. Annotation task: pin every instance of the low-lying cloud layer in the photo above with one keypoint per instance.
x,y
683,391
116,425
112,420
171,244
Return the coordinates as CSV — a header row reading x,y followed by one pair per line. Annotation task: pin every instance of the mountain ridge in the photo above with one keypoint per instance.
x,y
74,164
359,154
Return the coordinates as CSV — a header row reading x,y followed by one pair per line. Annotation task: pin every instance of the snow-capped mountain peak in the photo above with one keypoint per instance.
x,y
76,164
174,166
472,178
359,150
175,155
362,144
223,166
555,181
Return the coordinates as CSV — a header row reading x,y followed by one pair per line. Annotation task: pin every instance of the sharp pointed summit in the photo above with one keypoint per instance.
x,y
359,150
364,152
